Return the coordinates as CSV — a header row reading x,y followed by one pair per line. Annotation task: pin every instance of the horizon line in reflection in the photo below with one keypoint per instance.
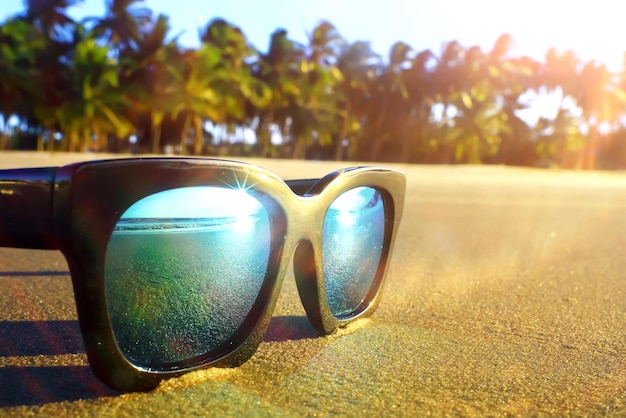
x,y
172,225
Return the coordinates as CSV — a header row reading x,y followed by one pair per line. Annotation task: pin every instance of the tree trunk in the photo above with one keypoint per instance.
x,y
299,149
183,135
156,138
51,144
101,139
199,142
343,135
156,122
266,142
377,144
73,141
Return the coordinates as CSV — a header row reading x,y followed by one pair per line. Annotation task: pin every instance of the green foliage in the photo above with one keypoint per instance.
x,y
328,98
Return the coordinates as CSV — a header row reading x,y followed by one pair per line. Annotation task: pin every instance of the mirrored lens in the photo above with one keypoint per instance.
x,y
183,269
354,230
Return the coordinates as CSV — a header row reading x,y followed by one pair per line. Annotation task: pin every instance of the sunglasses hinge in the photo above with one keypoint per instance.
x,y
26,202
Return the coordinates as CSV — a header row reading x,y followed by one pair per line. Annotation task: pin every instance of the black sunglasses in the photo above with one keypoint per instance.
x,y
177,263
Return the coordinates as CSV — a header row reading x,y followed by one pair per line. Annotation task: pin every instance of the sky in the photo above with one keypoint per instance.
x,y
593,29
195,202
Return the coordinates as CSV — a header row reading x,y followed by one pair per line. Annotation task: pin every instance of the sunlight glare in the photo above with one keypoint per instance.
x,y
196,202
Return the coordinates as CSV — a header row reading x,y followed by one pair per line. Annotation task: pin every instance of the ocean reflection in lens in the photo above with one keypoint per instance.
x,y
183,269
354,230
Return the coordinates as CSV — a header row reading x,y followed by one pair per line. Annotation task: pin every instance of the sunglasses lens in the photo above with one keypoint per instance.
x,y
183,269
354,230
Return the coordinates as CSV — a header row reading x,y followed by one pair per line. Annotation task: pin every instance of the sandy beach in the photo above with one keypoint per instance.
x,y
506,295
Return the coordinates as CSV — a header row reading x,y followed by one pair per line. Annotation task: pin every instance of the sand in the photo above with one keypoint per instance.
x,y
505,296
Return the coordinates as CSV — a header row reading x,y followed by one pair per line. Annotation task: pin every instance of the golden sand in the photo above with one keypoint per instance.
x,y
506,296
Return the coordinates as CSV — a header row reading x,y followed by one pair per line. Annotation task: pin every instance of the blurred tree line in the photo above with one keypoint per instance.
x,y
120,82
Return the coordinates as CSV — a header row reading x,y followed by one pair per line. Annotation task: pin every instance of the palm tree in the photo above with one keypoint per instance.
x,y
446,77
480,94
123,23
216,83
279,70
209,90
560,72
560,75
313,113
511,78
229,39
18,56
325,44
389,97
477,126
240,90
514,78
602,102
147,78
196,99
49,16
359,66
418,141
92,109
21,45
559,140
52,32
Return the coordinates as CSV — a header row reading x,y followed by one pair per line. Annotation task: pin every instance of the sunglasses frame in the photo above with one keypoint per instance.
x,y
86,200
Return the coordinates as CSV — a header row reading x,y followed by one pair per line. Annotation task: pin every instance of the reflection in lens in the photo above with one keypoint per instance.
x,y
183,269
352,244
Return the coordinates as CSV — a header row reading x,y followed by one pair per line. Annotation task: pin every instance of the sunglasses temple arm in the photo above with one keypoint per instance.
x,y
26,208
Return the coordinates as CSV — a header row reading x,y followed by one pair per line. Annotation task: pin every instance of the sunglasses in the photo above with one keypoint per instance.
x,y
176,264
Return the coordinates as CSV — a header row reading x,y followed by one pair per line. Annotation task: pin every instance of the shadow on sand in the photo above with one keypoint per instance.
x,y
23,384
